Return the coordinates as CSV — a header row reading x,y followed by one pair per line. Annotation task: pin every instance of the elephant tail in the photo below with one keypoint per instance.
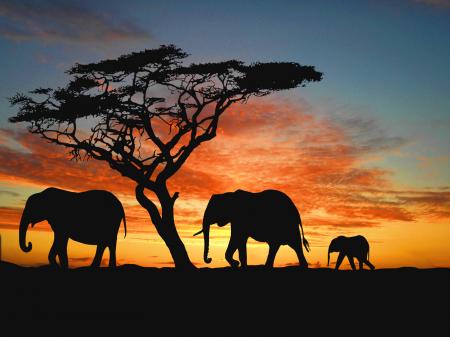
x,y
305,242
124,222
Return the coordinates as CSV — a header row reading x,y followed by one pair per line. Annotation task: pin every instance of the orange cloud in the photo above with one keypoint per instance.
x,y
265,144
44,164
10,217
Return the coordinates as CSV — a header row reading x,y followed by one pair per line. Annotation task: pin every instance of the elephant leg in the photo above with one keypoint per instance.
x,y
98,255
371,266
339,260
52,254
297,247
112,254
361,262
352,262
243,253
273,249
61,247
229,253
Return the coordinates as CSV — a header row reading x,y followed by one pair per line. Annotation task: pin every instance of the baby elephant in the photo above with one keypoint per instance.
x,y
355,246
91,217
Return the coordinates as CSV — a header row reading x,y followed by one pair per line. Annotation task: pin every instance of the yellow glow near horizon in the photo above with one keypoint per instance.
x,y
388,249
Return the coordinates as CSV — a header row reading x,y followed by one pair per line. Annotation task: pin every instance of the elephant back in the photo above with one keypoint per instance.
x,y
281,206
87,216
270,215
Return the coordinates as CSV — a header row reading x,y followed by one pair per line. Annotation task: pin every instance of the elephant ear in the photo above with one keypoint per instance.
x,y
36,208
222,223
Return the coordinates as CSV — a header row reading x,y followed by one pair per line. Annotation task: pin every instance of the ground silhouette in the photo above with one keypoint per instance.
x,y
229,301
268,216
91,217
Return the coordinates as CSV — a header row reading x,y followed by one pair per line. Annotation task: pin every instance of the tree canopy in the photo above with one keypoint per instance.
x,y
116,92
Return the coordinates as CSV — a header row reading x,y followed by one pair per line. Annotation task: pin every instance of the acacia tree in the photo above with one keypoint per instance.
x,y
145,112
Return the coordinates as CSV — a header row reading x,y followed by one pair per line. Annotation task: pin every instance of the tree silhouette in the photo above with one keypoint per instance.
x,y
145,112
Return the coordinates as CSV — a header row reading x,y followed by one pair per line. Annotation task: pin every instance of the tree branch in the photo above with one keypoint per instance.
x,y
147,204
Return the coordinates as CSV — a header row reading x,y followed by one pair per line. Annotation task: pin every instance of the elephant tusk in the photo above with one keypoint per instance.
x,y
199,232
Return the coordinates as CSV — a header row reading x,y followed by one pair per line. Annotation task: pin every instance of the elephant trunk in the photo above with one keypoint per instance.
x,y
24,222
206,226
329,251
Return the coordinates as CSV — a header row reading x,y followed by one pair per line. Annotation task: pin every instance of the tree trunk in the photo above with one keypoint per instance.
x,y
165,225
173,241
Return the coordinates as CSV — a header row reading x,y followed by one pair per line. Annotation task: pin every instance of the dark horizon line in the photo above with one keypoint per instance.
x,y
250,267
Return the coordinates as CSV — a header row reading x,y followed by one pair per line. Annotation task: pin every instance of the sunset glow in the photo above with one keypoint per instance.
x,y
357,159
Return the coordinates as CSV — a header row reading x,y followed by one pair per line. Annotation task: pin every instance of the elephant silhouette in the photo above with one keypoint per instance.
x,y
355,246
268,216
90,217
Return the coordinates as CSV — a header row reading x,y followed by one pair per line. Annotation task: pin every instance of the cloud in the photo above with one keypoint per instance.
x,y
268,144
198,183
64,21
435,3
10,217
370,212
9,193
366,135
315,160
336,222
431,204
44,164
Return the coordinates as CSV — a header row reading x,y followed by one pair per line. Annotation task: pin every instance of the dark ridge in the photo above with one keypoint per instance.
x,y
228,301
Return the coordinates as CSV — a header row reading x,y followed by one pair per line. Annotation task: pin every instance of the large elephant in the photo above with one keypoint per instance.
x,y
355,246
91,217
269,216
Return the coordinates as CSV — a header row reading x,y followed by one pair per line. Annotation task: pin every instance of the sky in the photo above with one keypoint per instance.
x,y
364,151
